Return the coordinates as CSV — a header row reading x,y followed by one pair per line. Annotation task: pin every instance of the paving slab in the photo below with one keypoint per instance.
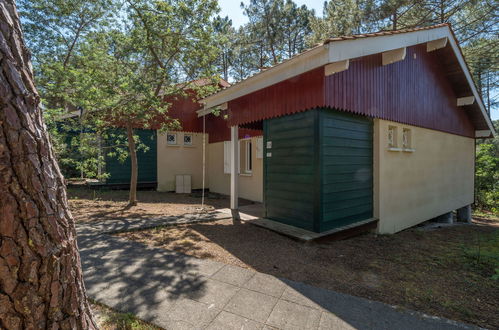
x,y
287,315
176,291
229,321
195,313
266,284
233,275
215,293
252,305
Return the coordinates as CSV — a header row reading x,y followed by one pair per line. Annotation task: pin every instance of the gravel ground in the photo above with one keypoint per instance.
x,y
97,205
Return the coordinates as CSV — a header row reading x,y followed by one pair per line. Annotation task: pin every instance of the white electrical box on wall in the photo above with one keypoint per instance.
x,y
183,184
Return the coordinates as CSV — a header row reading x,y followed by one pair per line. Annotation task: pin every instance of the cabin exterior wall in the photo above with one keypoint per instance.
x,y
250,185
180,159
411,187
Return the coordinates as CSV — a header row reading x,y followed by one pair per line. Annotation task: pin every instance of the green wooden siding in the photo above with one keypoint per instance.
x,y
119,172
319,176
346,169
290,172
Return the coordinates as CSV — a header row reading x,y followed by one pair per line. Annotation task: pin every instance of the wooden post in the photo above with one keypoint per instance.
x,y
234,166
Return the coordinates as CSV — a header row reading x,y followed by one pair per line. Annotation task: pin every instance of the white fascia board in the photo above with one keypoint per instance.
x,y
470,80
204,111
302,63
358,47
331,52
483,133
340,51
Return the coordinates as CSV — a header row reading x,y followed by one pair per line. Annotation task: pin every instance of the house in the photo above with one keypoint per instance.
x,y
180,153
368,127
157,166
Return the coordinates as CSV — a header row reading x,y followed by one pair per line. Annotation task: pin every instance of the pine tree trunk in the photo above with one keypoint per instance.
x,y
41,283
133,161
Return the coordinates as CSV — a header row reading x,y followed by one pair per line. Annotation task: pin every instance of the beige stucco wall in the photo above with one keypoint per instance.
x,y
250,185
412,187
180,159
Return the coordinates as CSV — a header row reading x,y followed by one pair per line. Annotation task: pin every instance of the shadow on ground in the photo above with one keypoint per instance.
x,y
415,269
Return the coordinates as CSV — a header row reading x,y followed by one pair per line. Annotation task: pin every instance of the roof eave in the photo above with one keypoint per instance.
x,y
335,51
469,78
301,63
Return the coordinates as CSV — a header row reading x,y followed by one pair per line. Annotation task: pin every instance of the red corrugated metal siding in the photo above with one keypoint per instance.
x,y
218,129
184,109
414,91
296,94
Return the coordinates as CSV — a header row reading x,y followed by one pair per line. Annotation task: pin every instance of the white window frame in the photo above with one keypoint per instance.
x,y
248,159
175,139
407,141
392,136
406,138
192,139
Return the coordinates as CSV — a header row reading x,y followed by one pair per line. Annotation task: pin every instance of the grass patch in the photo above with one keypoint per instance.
x,y
482,254
108,319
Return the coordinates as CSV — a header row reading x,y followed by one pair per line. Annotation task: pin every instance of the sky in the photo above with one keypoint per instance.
x,y
233,9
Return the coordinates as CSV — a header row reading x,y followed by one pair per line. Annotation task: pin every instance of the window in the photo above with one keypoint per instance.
x,y
392,137
407,139
171,138
248,157
188,139
245,157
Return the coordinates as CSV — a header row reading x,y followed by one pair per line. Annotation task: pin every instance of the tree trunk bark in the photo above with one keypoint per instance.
x,y
41,284
134,170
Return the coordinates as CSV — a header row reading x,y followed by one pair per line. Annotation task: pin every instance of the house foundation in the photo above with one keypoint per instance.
x,y
464,214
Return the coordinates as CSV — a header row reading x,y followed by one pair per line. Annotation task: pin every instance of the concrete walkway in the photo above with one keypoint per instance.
x,y
175,291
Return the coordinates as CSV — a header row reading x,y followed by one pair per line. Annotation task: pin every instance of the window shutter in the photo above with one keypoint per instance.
x,y
227,156
259,147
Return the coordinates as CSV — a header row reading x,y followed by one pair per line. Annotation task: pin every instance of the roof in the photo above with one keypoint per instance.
x,y
382,33
349,47
203,82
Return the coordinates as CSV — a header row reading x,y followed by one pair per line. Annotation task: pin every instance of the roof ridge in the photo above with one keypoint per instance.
x,y
383,32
